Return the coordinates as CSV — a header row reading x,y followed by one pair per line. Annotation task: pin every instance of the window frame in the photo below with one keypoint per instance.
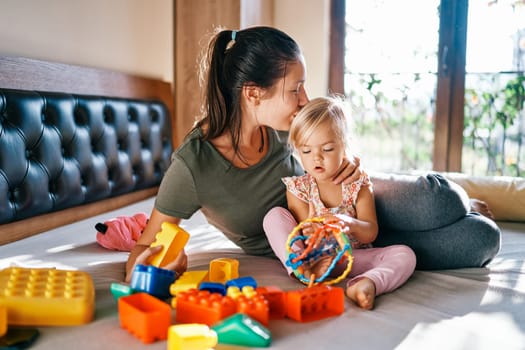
x,y
449,111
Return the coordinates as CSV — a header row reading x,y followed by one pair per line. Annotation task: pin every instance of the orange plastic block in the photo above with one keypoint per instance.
x,y
188,280
173,239
256,307
315,303
3,321
250,303
201,306
192,336
46,296
223,269
276,301
144,316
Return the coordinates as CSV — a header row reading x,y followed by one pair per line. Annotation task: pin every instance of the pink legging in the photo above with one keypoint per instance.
x,y
388,267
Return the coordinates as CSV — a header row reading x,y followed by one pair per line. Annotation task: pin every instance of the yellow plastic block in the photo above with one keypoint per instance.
x,y
194,336
3,321
188,280
223,269
46,297
247,291
173,239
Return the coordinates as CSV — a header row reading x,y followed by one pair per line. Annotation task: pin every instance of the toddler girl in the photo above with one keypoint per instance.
x,y
318,135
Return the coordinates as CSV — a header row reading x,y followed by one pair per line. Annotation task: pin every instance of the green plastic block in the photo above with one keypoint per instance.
x,y
240,329
120,290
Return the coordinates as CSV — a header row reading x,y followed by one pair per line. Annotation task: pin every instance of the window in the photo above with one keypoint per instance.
x,y
417,99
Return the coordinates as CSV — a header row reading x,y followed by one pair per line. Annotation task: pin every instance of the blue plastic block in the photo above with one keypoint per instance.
x,y
152,280
242,330
213,287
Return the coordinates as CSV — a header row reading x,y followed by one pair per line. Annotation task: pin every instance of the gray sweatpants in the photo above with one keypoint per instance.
x,y
431,215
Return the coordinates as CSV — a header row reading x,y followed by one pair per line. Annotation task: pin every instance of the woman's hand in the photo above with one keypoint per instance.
x,y
179,265
349,171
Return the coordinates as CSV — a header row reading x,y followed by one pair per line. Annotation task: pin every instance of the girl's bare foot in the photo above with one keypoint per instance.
x,y
481,207
362,292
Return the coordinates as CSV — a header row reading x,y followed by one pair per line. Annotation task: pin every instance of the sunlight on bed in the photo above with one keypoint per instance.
x,y
28,261
62,248
501,330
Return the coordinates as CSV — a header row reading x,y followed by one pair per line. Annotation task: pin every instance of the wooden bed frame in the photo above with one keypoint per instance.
x,y
30,74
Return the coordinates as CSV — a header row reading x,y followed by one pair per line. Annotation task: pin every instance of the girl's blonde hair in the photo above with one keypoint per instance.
x,y
319,110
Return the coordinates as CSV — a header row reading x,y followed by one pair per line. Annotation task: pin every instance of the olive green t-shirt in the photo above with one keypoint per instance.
x,y
234,200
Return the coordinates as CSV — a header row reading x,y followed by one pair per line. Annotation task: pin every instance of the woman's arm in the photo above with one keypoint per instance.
x,y
142,251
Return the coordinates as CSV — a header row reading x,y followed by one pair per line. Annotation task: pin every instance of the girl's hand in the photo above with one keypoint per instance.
x,y
349,171
342,220
309,228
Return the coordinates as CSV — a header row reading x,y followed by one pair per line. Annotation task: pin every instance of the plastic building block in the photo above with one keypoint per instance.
x,y
256,307
315,303
241,282
144,316
3,321
152,280
224,269
188,280
242,330
250,303
173,239
18,338
276,301
120,290
192,336
47,296
234,292
213,287
201,306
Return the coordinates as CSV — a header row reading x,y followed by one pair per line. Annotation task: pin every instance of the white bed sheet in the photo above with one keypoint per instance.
x,y
482,308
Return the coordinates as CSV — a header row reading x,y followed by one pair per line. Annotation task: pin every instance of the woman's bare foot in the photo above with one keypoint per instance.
x,y
362,292
481,207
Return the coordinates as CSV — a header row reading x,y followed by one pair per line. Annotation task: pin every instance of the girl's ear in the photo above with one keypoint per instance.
x,y
252,94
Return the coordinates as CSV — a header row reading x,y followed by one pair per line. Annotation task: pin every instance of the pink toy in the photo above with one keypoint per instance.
x,y
122,232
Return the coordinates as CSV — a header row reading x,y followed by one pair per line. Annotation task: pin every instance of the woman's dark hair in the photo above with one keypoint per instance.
x,y
257,56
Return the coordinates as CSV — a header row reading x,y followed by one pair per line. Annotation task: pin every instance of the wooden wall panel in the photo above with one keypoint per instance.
x,y
195,21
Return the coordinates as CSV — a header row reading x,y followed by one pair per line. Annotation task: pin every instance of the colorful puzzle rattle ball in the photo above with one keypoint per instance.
x,y
327,240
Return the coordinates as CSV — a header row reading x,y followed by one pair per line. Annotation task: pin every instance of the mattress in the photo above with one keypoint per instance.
x,y
476,308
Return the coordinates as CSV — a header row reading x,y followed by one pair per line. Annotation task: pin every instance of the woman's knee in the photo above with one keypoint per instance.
x,y
418,203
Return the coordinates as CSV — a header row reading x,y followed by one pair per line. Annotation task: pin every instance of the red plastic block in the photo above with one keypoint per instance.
x,y
256,307
276,301
201,306
144,316
315,303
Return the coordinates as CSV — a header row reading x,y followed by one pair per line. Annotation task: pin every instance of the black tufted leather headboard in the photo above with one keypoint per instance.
x,y
61,150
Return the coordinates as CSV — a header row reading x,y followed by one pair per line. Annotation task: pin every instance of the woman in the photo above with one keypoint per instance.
x,y
231,162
